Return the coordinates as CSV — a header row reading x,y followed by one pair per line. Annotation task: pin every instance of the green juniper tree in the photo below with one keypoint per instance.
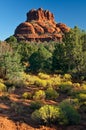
x,y
10,65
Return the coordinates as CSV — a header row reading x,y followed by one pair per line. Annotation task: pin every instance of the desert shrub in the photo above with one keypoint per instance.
x,y
65,87
39,95
56,80
76,93
8,83
75,103
19,82
43,76
82,108
83,87
36,105
1,81
82,96
17,108
40,83
49,83
2,87
69,114
27,95
67,77
36,117
47,114
30,78
11,89
76,85
51,94
72,101
5,96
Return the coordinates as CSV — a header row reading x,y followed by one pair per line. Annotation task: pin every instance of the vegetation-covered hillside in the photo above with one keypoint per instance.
x,y
43,85
49,57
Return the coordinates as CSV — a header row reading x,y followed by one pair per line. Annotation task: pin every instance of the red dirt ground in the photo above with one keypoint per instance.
x,y
10,119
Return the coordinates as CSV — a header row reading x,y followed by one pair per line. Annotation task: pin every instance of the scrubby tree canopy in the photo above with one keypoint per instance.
x,y
69,56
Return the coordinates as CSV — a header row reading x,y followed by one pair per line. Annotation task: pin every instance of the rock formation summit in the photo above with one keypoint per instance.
x,y
40,26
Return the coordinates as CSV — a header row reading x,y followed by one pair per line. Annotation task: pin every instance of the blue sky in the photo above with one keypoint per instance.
x,y
13,12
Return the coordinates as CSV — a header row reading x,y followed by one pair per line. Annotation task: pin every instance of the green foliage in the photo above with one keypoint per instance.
x,y
69,115
77,53
10,65
66,57
73,102
47,114
79,94
11,39
51,94
17,108
36,105
69,56
59,58
40,61
18,82
36,116
39,95
83,107
26,50
65,87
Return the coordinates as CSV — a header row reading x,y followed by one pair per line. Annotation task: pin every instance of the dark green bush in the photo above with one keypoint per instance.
x,y
72,101
65,87
36,105
69,114
64,114
51,94
81,97
80,94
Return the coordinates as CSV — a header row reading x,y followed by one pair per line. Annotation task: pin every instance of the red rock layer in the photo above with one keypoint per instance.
x,y
40,26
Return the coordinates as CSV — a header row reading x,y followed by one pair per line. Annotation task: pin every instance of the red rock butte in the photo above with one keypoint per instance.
x,y
40,26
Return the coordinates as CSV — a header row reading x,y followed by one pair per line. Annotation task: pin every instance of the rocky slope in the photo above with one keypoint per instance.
x,y
40,26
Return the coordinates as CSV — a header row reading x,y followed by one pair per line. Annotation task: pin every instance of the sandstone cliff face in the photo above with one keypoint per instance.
x,y
40,26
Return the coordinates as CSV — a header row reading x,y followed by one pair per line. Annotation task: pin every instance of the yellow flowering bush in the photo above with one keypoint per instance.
x,y
56,81
2,87
47,114
40,83
43,76
77,85
83,87
39,95
67,77
82,96
27,95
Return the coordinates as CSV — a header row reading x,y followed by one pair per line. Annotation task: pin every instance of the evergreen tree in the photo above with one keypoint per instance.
x,y
41,60
10,66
